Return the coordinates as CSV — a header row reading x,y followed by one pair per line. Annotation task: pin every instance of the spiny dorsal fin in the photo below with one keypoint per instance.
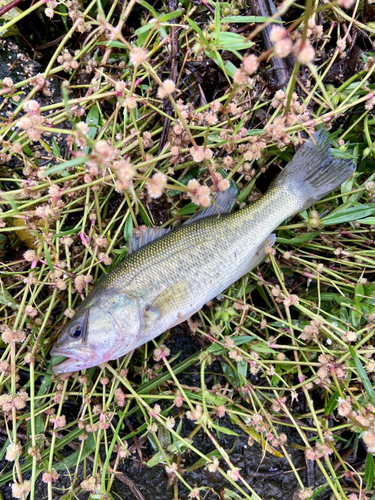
x,y
146,236
223,203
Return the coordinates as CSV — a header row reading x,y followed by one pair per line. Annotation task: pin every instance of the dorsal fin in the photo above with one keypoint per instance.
x,y
223,203
146,236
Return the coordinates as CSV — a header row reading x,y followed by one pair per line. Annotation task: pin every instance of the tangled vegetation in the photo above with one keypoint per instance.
x,y
136,115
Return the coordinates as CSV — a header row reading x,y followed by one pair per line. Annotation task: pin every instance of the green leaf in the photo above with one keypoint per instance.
x,y
242,368
226,66
143,214
48,258
255,131
349,214
9,199
5,297
92,121
114,43
346,187
369,471
247,19
368,220
217,20
202,462
66,233
245,192
62,166
170,15
158,22
363,375
262,348
332,403
359,293
213,399
197,29
188,209
233,41
193,174
45,145
263,294
4,448
72,460
302,238
231,494
336,297
128,229
230,375
55,148
224,430
148,7
27,150
243,339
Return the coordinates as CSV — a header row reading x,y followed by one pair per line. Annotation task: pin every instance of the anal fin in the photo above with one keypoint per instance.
x,y
260,253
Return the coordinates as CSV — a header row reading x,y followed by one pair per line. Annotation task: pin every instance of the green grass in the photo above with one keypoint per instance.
x,y
298,326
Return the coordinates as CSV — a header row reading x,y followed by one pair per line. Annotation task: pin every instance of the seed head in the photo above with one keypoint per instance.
x,y
20,490
250,64
137,56
130,103
283,47
214,466
48,477
32,106
179,400
167,88
346,3
198,154
223,185
344,407
278,33
59,422
234,474
156,185
13,450
220,411
29,255
304,51
306,493
8,82
369,440
13,336
125,171
240,77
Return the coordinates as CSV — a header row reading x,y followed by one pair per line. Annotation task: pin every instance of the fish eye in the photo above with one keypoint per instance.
x,y
75,331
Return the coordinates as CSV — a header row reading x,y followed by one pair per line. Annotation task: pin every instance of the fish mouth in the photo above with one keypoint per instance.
x,y
79,360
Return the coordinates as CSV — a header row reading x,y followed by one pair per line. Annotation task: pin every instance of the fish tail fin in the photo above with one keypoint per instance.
x,y
314,172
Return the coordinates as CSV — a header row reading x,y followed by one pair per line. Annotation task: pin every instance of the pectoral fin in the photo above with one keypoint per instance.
x,y
169,300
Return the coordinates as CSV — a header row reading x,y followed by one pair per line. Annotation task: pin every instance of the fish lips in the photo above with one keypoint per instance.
x,y
84,357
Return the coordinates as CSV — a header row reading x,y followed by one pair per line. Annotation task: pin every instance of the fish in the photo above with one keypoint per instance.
x,y
169,275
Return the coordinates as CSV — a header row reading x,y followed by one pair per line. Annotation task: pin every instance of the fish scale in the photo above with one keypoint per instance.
x,y
209,255
167,280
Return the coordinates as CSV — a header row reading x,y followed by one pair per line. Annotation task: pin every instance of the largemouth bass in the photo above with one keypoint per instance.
x,y
170,275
